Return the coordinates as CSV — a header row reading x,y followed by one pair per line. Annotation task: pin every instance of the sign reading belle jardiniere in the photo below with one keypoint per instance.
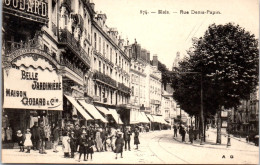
x,y
30,88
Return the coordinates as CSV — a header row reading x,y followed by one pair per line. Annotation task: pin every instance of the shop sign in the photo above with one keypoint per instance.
x,y
32,88
36,10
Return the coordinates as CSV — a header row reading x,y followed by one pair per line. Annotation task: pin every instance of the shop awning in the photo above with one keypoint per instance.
x,y
92,110
115,116
103,110
150,117
156,119
134,117
79,108
142,118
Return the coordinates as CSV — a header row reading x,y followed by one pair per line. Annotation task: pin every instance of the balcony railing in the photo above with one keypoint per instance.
x,y
67,38
72,67
11,46
123,88
104,78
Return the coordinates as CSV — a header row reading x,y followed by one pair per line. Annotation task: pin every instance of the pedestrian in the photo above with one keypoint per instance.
x,y
119,144
42,138
113,138
28,141
20,140
66,144
136,137
191,134
9,134
73,142
183,132
98,141
175,131
35,136
56,134
3,134
77,133
83,145
90,146
103,136
127,138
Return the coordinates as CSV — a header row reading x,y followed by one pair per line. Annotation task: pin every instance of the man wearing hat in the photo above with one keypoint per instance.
x,y
42,138
83,145
56,135
73,143
35,136
127,138
77,133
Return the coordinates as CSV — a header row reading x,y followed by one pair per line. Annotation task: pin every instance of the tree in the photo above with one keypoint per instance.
x,y
165,73
227,57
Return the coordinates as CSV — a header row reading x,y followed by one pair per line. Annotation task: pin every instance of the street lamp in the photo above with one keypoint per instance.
x,y
201,103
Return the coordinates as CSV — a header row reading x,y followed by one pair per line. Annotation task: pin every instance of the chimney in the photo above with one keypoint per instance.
x,y
155,60
148,57
92,6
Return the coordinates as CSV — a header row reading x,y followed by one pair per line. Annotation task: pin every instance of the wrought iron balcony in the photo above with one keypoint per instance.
x,y
104,78
123,88
66,38
72,67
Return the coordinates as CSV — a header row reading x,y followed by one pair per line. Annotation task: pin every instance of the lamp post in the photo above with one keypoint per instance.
x,y
201,104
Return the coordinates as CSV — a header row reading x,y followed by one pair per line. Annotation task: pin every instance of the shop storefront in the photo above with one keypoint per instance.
x,y
32,92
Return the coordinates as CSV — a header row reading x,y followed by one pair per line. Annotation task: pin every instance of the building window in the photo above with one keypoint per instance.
x,y
111,95
95,61
119,61
104,52
99,66
95,40
110,54
104,68
99,44
116,58
111,71
95,90
107,50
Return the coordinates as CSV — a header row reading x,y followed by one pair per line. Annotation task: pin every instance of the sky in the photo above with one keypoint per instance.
x,y
167,34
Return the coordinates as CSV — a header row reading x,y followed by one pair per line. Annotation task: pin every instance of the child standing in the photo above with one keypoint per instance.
x,y
119,144
90,146
20,140
66,145
28,141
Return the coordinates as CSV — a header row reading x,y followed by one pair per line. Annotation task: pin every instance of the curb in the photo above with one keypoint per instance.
x,y
205,146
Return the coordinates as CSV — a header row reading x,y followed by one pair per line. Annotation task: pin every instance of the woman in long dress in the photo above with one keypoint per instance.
x,y
98,141
28,141
119,143
136,137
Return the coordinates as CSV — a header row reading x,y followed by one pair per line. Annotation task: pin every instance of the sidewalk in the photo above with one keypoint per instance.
x,y
211,135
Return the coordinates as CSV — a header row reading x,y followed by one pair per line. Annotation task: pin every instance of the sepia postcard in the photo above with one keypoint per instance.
x,y
130,81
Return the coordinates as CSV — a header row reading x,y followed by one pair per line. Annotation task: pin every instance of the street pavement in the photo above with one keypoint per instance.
x,y
156,147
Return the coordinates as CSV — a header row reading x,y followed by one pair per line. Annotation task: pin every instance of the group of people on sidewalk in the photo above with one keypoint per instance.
x,y
33,138
183,131
84,140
